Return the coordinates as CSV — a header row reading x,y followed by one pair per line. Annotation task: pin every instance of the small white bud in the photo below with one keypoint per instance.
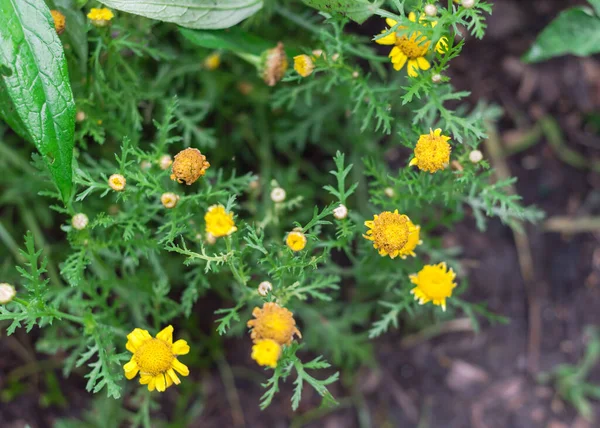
x,y
165,162
254,184
265,288
355,74
475,156
430,10
80,221
80,116
467,4
7,293
278,194
436,78
145,165
341,212
335,57
210,238
169,199
389,192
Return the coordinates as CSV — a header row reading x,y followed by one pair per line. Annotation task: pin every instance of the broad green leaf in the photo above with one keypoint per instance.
x,y
575,31
199,14
357,10
35,94
233,39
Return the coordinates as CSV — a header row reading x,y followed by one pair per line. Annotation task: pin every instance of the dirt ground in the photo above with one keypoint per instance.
x,y
458,378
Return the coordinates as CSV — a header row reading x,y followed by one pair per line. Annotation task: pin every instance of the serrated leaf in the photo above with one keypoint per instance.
x,y
234,39
357,10
198,14
575,31
35,94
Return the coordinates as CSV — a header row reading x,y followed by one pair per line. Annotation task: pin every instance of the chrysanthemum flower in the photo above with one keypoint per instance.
x,y
392,234
432,152
117,182
434,283
100,17
273,322
189,165
296,240
266,352
59,21
156,358
219,222
303,64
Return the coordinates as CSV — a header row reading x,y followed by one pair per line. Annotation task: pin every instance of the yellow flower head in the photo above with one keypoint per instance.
x,y
219,222
274,63
59,21
296,240
266,352
434,283
304,65
117,182
156,358
189,165
169,199
100,17
273,322
432,152
392,234
212,61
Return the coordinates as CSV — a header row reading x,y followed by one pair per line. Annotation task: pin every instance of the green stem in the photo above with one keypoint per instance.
x,y
230,263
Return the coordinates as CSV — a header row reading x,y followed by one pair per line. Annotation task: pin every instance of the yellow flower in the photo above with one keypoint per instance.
x,y
169,199
392,234
296,240
156,358
274,63
100,17
189,165
411,49
273,322
219,222
304,65
59,21
266,352
432,152
212,61
434,283
117,182
414,240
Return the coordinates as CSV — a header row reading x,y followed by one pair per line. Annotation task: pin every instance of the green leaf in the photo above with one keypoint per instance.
x,y
596,5
35,93
357,10
199,14
575,31
234,39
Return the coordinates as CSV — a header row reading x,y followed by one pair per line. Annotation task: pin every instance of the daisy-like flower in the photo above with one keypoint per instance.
x,y
432,152
392,234
434,283
266,352
155,359
219,222
117,182
296,240
303,64
273,322
60,21
189,165
169,199
100,17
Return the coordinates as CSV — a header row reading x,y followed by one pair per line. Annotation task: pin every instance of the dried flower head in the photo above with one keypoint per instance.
x,y
296,240
169,199
434,283
165,162
117,182
60,21
7,293
79,221
100,17
274,63
273,322
390,233
265,288
219,222
476,156
189,166
212,61
341,212
432,152
266,353
303,64
278,194
156,358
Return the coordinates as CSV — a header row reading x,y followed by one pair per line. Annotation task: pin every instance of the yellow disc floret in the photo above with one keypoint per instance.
x,y
189,165
434,283
391,234
303,64
432,152
273,322
296,240
117,182
59,21
155,359
266,352
219,222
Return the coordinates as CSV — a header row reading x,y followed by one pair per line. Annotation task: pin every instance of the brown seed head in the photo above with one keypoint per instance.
x,y
189,165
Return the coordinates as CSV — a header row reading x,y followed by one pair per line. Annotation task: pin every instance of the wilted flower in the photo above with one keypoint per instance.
x,y
274,63
189,166
59,21
273,322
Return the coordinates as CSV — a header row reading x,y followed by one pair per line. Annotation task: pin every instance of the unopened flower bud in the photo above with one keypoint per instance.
x,y
430,10
436,78
467,4
335,57
274,63
59,21
80,116
7,293
79,221
476,156
355,74
265,288
169,199
210,238
145,165
389,192
117,182
317,53
278,194
341,212
165,162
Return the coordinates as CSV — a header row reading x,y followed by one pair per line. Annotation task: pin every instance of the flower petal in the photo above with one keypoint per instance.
x,y
136,338
423,63
413,68
399,61
131,369
166,335
391,22
390,39
180,347
412,17
173,376
161,382
145,379
181,368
